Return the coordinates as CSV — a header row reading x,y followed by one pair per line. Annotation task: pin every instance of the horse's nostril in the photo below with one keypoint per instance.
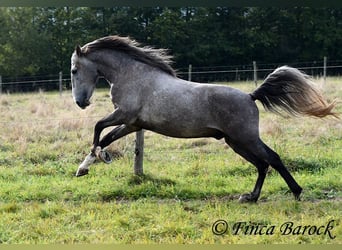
x,y
83,104
87,103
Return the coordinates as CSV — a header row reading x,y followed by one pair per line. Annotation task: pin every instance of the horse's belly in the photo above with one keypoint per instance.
x,y
183,130
190,134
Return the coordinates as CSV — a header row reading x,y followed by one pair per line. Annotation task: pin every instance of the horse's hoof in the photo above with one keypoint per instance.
x,y
82,172
297,197
105,156
247,198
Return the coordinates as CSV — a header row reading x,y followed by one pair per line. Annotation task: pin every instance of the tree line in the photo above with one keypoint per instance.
x,y
39,41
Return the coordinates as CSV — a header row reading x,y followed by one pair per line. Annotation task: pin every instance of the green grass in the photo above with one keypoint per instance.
x,y
187,186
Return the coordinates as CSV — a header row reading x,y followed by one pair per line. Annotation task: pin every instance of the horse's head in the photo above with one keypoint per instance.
x,y
84,75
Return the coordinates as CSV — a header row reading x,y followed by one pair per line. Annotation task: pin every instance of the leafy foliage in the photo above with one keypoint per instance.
x,y
40,40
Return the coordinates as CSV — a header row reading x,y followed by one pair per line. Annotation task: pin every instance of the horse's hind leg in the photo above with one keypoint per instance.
x,y
275,161
272,158
261,165
260,155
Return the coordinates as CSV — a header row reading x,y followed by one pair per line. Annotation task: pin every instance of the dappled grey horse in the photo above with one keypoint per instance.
x,y
147,94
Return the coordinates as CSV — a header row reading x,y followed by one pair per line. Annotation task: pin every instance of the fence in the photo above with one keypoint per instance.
x,y
33,83
251,72
254,71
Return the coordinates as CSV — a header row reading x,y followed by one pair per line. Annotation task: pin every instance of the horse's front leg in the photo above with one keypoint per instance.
x,y
83,169
113,119
112,136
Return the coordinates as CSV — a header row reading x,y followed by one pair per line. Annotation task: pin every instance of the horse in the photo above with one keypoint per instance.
x,y
147,94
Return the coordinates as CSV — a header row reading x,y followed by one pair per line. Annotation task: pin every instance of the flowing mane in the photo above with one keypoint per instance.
x,y
157,58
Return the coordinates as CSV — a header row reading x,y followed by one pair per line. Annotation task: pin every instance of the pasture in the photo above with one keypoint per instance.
x,y
187,186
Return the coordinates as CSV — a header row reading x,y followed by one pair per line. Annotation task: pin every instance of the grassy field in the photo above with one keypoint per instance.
x,y
188,184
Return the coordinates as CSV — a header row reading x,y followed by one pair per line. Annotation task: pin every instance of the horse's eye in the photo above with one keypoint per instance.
x,y
73,71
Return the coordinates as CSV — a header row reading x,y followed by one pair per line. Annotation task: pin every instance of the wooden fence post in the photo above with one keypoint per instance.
x,y
0,85
60,83
325,69
255,73
237,74
189,72
139,153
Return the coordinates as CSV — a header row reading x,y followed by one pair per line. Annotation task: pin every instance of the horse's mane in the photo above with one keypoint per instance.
x,y
157,58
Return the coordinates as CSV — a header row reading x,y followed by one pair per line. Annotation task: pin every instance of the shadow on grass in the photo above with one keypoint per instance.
x,y
308,165
143,186
148,186
147,178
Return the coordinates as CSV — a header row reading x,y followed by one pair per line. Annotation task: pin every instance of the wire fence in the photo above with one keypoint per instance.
x,y
49,120
249,72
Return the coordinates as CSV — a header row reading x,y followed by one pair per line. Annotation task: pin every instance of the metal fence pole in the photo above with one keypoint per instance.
x,y
139,153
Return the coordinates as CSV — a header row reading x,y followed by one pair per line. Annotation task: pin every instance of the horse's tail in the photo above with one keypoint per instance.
x,y
288,89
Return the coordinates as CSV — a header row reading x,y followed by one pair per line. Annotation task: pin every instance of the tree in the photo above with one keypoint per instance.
x,y
40,40
24,50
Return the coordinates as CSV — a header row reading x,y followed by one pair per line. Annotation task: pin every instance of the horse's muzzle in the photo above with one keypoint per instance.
x,y
83,104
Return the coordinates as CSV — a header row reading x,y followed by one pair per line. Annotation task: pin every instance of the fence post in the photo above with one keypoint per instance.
x,y
0,85
189,72
255,73
60,83
325,69
139,153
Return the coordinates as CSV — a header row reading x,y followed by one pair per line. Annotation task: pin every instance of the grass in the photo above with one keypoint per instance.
x,y
187,186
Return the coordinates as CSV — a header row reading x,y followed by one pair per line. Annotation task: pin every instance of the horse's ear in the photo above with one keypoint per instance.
x,y
78,50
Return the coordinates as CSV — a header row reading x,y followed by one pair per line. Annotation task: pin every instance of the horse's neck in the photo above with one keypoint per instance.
x,y
130,77
117,67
